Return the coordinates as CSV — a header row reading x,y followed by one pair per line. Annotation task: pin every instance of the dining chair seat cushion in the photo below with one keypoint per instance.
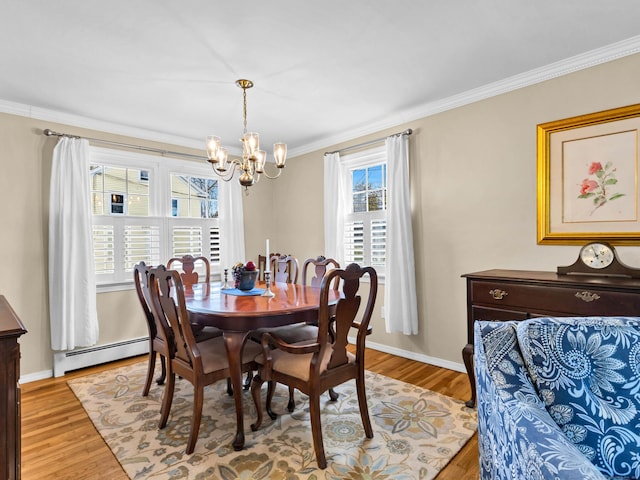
x,y
296,333
214,354
297,365
205,333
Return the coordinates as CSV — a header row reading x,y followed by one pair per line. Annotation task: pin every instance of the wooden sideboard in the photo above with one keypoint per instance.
x,y
10,329
521,294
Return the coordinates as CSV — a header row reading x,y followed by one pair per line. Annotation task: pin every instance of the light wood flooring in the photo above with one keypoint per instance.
x,y
60,442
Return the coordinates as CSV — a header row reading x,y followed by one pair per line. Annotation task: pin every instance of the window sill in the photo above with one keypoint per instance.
x,y
381,279
114,287
122,286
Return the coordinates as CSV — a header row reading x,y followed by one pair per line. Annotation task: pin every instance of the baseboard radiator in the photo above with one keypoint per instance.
x,y
87,357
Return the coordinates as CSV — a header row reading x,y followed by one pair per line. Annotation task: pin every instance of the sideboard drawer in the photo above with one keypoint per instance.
x,y
500,314
579,301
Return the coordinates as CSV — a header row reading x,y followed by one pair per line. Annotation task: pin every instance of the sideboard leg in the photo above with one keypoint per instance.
x,y
467,357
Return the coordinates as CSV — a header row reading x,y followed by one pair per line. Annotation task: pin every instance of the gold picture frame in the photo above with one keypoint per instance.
x,y
588,178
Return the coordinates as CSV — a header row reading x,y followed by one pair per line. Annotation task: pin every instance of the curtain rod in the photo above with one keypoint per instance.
x,y
50,133
408,131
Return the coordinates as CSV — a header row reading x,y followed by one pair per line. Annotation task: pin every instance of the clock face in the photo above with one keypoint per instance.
x,y
597,255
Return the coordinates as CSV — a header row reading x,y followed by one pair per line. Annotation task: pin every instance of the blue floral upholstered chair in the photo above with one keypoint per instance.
x,y
558,398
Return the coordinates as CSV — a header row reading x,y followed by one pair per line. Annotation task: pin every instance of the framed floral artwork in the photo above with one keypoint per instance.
x,y
588,178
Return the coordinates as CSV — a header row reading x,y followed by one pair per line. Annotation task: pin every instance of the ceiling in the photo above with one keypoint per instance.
x,y
324,71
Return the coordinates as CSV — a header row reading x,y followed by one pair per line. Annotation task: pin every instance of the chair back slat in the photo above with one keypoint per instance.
x,y
321,265
348,311
285,268
189,275
175,314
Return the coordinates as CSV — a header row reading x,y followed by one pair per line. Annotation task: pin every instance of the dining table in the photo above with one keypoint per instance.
x,y
237,313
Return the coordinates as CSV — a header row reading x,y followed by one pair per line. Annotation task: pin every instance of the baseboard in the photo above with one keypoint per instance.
x,y
33,377
438,362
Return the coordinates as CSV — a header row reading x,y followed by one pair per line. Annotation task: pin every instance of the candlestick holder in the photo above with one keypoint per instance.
x,y
226,278
267,281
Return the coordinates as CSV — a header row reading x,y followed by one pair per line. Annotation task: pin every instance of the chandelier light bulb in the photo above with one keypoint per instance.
x,y
213,145
280,154
261,158
222,159
252,142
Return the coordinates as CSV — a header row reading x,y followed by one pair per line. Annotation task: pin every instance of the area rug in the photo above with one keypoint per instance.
x,y
416,431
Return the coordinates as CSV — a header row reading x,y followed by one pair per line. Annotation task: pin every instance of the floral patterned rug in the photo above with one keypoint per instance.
x,y
416,431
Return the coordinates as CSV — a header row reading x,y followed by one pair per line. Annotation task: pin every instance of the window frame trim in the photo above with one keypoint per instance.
x,y
364,159
160,169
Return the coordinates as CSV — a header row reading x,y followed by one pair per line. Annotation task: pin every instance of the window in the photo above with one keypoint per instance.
x,y
366,215
194,197
117,204
150,209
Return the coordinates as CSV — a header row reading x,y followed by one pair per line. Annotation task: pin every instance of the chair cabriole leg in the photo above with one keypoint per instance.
x,y
362,403
316,430
271,388
167,399
198,400
291,406
163,373
256,386
150,369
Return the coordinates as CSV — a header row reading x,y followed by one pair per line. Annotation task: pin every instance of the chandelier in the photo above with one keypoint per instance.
x,y
253,160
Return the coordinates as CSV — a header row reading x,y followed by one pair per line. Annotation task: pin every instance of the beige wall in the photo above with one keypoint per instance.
x,y
474,208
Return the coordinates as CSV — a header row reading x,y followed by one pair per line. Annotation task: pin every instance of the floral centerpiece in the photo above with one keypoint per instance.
x,y
245,275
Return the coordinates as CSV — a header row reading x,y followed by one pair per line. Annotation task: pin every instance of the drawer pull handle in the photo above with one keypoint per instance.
x,y
498,294
587,296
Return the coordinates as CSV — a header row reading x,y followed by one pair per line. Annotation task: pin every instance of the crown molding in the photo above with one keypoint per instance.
x,y
583,61
93,124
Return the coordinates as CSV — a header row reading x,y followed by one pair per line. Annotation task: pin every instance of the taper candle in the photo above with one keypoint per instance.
x,y
267,267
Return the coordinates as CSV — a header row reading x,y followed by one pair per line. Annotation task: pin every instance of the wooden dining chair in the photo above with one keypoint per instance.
x,y
320,266
262,264
200,363
160,335
308,332
190,277
284,269
315,367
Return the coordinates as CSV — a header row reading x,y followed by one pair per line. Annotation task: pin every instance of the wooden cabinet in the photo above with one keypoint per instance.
x,y
10,330
519,294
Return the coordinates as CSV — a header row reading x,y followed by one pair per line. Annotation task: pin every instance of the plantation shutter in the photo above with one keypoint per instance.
x,y
354,242
141,243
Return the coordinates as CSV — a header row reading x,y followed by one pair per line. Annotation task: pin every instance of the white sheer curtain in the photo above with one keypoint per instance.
x,y
231,223
72,287
334,208
400,300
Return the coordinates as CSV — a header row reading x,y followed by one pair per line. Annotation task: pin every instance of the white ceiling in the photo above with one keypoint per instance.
x,y
324,71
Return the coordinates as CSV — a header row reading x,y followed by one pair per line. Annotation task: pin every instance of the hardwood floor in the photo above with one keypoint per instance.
x,y
59,441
